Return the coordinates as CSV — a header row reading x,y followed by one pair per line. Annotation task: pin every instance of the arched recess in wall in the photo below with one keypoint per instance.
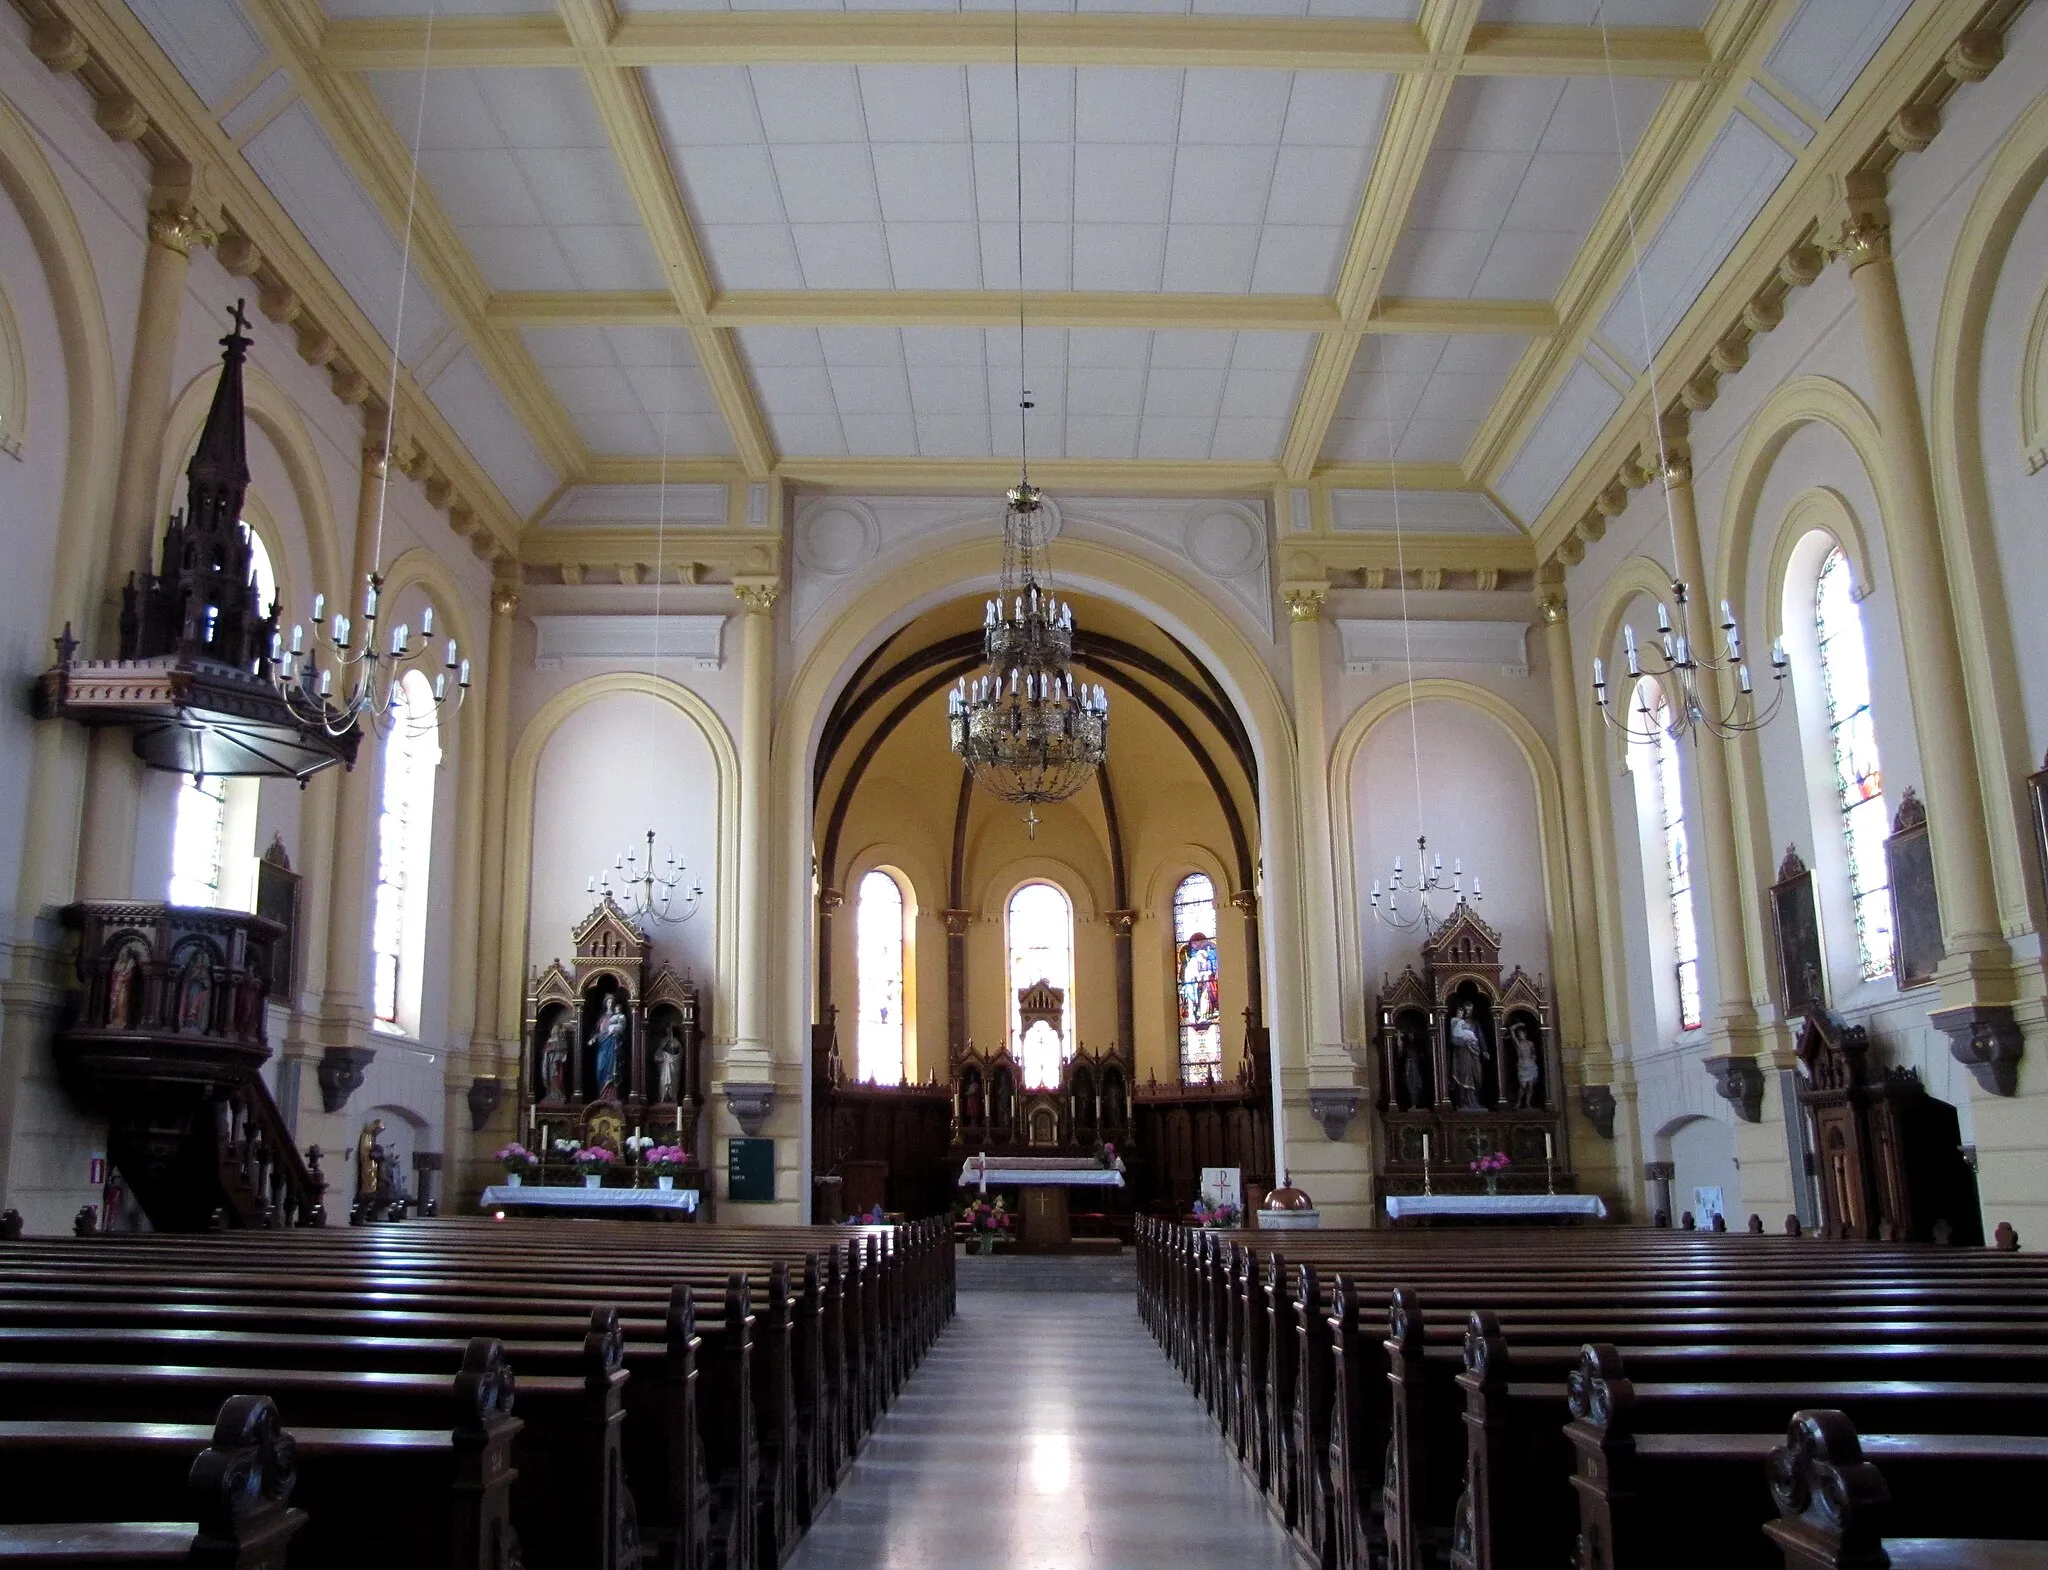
x,y
721,886
14,395
2008,190
79,576
273,413
1822,509
1639,581
1549,792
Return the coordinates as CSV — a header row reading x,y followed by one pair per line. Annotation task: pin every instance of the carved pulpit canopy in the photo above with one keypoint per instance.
x,y
1832,1051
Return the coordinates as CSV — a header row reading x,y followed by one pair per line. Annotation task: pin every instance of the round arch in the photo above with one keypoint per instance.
x,y
80,580
850,631
1172,870
522,772
1955,428
1549,822
1819,509
274,414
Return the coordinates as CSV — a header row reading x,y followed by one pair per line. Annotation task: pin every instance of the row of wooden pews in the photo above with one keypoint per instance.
x,y
1620,1399
482,1394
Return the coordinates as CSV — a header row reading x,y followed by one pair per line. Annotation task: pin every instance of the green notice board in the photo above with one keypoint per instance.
x,y
750,1171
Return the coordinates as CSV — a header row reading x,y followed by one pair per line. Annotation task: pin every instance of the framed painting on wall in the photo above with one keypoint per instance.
x,y
1802,963
1916,910
277,899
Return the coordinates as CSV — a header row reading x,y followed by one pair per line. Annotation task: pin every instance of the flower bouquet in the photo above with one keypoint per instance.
x,y
1490,1166
1221,1215
593,1161
988,1221
518,1162
665,1161
637,1145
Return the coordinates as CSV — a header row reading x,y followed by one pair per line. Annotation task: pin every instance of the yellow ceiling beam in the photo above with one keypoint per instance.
x,y
628,121
1413,117
1410,476
974,38
990,477
977,308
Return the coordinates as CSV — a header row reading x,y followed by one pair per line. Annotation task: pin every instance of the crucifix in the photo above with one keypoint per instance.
x,y
1031,822
239,317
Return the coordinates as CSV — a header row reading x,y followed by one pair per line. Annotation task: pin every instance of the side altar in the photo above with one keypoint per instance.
x,y
614,1059
1466,1068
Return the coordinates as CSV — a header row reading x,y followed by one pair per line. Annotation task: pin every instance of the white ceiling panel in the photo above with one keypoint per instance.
x,y
1215,180
1384,10
521,165
950,392
1575,415
1519,172
1827,44
353,9
211,42
1725,192
471,403
1618,13
1419,397
1419,512
293,157
631,390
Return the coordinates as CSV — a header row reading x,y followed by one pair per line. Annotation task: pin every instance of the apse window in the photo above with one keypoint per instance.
x,y
878,939
405,835
1859,777
1041,923
1660,803
1197,978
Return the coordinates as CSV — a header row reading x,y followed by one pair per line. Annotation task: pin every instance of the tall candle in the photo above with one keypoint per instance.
x,y
1425,1150
1548,1150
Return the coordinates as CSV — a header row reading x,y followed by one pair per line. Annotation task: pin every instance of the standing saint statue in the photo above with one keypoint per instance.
x,y
668,1057
554,1061
609,1036
1468,1060
1528,1070
1413,1068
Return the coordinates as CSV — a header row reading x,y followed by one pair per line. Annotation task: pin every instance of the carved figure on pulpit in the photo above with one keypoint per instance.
x,y
554,1061
121,987
195,992
668,1059
1528,1064
1468,1060
606,1041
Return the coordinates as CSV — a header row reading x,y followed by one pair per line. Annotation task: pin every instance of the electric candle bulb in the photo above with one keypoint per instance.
x,y
427,622
1663,617
451,654
319,609
462,679
298,639
440,685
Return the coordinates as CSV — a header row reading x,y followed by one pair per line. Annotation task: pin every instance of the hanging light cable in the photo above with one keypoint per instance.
x,y
648,892
368,690
1687,667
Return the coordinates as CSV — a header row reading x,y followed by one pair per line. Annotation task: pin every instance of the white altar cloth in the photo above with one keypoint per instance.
x,y
1402,1207
1037,1172
501,1196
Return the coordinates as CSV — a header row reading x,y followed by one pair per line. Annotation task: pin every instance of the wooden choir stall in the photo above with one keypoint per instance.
x,y
1469,1077
614,1062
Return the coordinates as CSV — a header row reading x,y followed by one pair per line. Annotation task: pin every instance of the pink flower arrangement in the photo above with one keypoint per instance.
x,y
593,1158
985,1217
1220,1216
515,1157
1492,1163
666,1160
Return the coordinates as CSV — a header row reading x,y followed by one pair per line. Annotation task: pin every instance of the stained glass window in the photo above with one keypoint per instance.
x,y
1653,711
1195,973
1041,949
405,831
1859,779
198,828
878,944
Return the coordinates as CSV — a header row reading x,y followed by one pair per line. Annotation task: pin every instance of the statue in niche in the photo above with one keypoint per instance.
x,y
121,987
1468,1060
370,1158
668,1058
1528,1064
1414,1063
554,1060
606,1041
195,993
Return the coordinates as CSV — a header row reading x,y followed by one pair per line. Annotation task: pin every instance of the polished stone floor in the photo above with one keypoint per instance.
x,y
1045,1431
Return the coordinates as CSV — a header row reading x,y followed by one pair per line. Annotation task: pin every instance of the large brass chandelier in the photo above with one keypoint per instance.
x,y
1027,731
1025,728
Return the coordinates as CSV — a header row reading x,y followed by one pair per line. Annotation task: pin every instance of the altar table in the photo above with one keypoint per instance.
x,y
1495,1207
665,1204
1045,1181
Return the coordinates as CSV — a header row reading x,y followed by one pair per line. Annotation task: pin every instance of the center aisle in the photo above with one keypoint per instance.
x,y
1044,1432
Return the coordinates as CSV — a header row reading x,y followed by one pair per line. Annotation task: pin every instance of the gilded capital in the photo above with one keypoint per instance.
x,y
1865,238
1304,604
956,922
830,899
177,226
1677,470
1246,900
504,599
759,598
1121,921
1552,609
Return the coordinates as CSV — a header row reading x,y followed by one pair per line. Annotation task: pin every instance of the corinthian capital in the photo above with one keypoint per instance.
x,y
1305,604
177,226
758,597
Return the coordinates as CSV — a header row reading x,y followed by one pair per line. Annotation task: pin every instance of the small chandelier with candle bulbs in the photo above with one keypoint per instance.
x,y
1687,677
650,890
1428,878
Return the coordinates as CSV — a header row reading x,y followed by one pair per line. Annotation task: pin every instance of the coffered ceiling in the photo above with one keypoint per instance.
x,y
1266,242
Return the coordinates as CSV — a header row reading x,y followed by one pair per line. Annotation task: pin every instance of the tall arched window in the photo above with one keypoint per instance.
x,y
405,842
211,839
1041,923
1196,981
1859,779
1660,795
878,944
